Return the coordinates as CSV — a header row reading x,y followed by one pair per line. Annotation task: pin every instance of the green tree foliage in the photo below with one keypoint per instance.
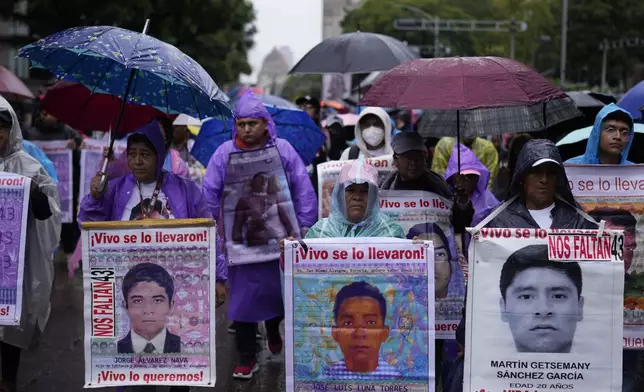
x,y
216,33
299,85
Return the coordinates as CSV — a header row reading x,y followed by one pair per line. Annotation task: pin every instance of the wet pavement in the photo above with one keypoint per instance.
x,y
55,364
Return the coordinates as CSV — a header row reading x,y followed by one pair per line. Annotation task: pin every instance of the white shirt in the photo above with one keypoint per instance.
x,y
543,217
139,342
135,200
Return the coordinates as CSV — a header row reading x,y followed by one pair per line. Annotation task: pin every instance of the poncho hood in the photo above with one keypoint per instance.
x,y
249,106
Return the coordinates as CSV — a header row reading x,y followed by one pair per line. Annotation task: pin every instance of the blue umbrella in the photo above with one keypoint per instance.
x,y
293,125
135,67
633,101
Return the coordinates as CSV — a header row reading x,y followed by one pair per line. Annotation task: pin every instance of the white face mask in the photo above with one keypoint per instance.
x,y
373,136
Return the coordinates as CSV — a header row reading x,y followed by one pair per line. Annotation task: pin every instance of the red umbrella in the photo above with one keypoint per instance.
x,y
473,96
11,85
75,105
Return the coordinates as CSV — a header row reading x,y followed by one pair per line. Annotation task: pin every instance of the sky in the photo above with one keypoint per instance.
x,y
293,23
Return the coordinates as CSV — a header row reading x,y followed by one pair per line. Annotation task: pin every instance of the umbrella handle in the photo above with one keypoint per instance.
x,y
103,183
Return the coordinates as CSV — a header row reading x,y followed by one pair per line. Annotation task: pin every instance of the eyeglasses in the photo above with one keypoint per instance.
x,y
624,133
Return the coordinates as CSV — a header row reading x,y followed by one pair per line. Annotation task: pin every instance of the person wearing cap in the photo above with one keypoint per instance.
x,y
337,143
148,191
610,139
42,236
412,174
470,182
482,148
311,106
539,197
609,144
183,128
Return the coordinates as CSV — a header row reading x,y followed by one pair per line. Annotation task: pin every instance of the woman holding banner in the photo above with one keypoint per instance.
x,y
256,292
147,192
43,233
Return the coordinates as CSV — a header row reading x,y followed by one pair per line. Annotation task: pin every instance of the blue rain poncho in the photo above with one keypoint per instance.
x,y
374,223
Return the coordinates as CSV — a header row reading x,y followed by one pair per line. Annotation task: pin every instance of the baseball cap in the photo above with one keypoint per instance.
x,y
471,171
545,160
331,120
308,99
407,141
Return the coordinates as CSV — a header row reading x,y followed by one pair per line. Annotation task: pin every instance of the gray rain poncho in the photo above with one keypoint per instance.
x,y
374,223
42,239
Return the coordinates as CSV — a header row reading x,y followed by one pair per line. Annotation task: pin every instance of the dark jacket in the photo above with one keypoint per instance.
x,y
516,215
432,182
172,344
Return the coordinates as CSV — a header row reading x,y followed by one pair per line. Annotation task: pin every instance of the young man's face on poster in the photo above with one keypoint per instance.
x,y
542,307
360,331
148,307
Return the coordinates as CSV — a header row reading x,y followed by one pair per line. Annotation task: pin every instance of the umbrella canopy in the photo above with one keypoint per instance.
x,y
584,133
132,66
75,105
293,125
473,96
355,53
583,100
11,85
633,101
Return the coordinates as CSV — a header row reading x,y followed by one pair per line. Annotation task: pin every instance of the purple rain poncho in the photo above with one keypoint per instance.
x,y
483,200
183,196
255,289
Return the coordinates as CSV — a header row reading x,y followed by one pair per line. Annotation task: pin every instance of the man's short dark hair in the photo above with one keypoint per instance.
x,y
360,289
148,272
619,115
536,256
616,216
139,138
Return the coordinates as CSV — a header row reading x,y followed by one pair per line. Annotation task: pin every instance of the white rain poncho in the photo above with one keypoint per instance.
x,y
374,223
42,239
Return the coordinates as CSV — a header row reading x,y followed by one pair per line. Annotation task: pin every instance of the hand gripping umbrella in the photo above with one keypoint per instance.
x,y
135,67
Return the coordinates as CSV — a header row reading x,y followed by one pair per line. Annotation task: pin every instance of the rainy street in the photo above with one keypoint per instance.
x,y
55,364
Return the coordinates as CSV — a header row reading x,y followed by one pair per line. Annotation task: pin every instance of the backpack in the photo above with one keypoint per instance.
x,y
354,152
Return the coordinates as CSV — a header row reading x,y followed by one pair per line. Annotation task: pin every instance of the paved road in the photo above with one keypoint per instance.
x,y
55,364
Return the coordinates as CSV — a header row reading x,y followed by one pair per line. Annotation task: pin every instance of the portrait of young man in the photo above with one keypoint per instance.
x,y
541,300
148,290
360,311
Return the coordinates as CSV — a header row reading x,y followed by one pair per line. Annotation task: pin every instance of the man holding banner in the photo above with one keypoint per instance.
x,y
42,236
254,274
609,143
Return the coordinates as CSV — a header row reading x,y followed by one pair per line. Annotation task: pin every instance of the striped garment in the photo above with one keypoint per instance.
x,y
339,371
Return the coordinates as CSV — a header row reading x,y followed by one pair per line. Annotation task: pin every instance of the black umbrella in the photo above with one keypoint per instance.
x,y
583,100
355,53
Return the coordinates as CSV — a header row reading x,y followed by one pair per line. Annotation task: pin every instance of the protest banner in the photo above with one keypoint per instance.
x,y
149,302
328,173
91,161
544,311
14,207
616,195
359,316
61,156
257,208
427,216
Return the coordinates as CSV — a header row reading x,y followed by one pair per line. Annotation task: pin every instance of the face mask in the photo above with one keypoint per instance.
x,y
373,136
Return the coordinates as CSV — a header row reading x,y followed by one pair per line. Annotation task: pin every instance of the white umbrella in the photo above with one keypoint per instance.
x,y
584,133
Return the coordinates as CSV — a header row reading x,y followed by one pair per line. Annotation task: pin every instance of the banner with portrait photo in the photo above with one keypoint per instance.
x,y
14,208
359,316
149,302
258,210
616,195
544,311
91,160
61,156
328,173
427,216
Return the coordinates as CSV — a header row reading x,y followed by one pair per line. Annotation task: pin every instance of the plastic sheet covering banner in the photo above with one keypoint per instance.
x,y
149,303
544,311
359,316
61,156
615,194
14,207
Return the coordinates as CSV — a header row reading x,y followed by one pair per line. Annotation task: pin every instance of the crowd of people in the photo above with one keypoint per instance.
x,y
510,182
